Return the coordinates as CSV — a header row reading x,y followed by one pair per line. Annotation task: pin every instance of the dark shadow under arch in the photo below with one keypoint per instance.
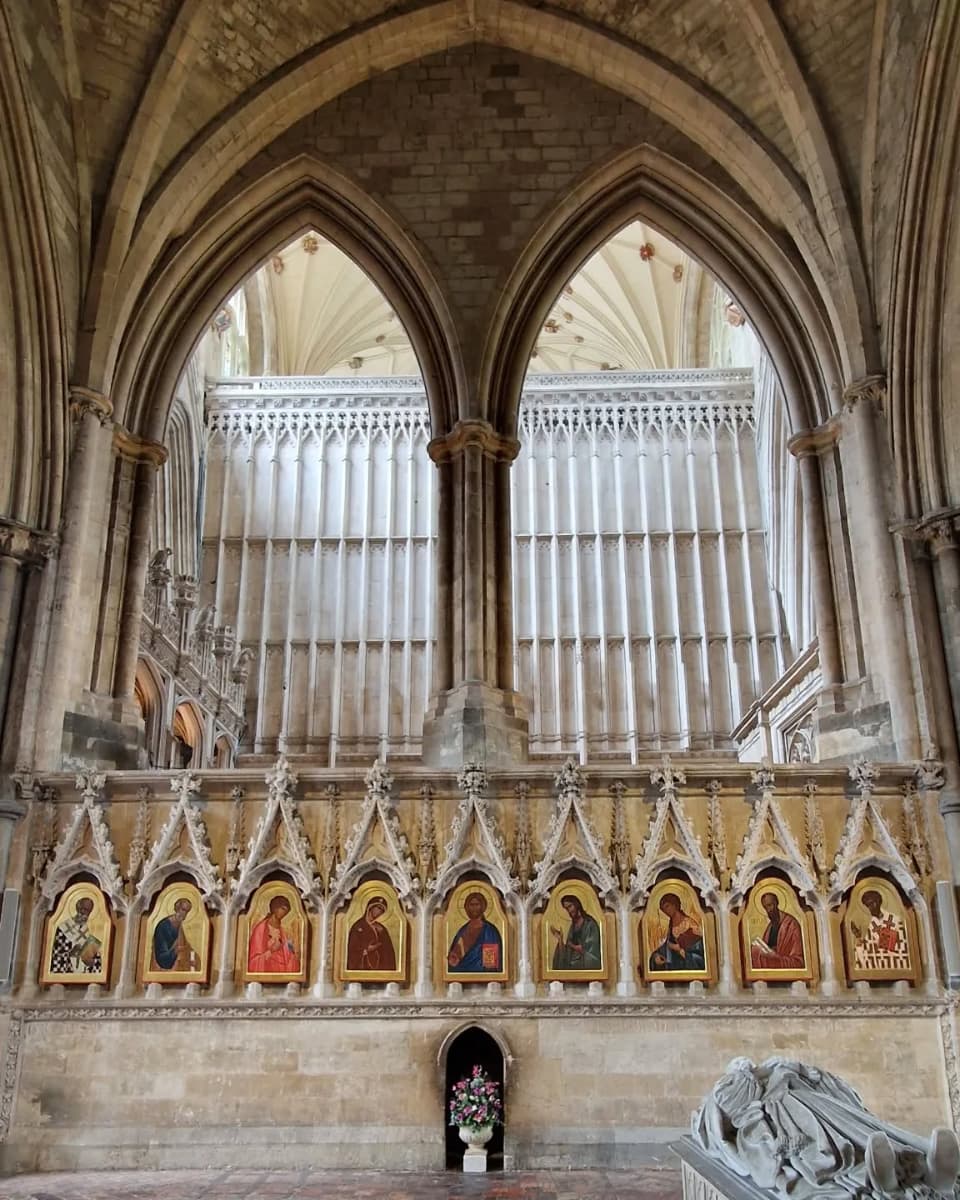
x,y
472,1045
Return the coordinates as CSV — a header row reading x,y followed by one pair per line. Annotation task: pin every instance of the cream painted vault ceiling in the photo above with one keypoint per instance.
x,y
638,304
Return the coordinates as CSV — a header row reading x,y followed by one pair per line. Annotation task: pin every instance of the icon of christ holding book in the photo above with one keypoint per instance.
x,y
477,945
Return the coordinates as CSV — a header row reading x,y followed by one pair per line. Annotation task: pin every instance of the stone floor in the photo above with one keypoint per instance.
x,y
648,1184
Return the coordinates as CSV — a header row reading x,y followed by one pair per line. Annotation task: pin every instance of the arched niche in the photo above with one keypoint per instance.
x,y
223,753
464,1047
186,749
148,694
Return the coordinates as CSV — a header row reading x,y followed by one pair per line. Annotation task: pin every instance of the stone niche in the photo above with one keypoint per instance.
x,y
589,1085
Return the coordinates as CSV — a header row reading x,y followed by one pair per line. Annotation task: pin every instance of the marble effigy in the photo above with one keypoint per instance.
x,y
783,1128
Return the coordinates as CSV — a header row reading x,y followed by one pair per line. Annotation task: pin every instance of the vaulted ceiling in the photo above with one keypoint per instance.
x,y
638,304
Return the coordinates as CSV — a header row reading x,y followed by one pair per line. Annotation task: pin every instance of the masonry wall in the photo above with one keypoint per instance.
x,y
219,1087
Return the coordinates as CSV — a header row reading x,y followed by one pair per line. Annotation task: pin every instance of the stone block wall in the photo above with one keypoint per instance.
x,y
202,1087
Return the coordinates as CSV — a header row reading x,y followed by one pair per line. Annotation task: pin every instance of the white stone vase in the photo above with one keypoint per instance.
x,y
476,1138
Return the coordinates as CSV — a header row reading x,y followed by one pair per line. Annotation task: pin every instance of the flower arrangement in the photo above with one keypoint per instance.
x,y
476,1103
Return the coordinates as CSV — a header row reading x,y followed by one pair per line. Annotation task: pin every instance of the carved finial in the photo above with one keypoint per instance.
x,y
280,778
718,836
378,779
619,841
185,784
234,850
929,771
158,572
813,828
472,779
523,843
569,778
764,777
864,775
141,834
91,785
666,777
240,671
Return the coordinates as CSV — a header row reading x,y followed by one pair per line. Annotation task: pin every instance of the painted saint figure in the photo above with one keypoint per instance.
x,y
682,947
882,946
272,950
369,945
477,945
579,950
75,949
781,947
171,949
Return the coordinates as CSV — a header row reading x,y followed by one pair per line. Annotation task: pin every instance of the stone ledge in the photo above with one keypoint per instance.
x,y
611,1006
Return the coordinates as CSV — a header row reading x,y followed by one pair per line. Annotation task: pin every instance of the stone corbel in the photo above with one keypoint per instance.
x,y
815,442
138,450
27,546
473,435
870,391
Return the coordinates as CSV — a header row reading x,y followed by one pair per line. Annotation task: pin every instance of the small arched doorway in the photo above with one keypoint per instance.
x,y
471,1047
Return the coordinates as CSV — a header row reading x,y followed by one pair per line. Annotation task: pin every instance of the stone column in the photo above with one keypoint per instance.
x,y
148,457
76,594
475,713
941,533
807,448
22,550
11,810
878,581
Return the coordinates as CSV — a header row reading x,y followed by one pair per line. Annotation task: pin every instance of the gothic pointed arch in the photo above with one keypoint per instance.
x,y
571,842
376,843
231,243
804,195
772,286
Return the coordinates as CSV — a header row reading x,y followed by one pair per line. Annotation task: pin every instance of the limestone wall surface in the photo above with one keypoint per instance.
x,y
152,1088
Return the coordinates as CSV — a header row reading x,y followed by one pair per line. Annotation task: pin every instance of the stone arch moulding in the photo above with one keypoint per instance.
x,y
781,300
145,222
234,241
492,1032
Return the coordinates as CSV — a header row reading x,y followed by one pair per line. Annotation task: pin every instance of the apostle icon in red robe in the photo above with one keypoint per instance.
x,y
781,947
272,949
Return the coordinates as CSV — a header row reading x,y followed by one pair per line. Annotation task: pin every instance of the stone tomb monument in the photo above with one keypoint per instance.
x,y
785,1129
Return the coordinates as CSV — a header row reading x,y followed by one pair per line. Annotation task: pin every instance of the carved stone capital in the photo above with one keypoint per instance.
x,y
30,547
473,435
137,449
811,443
940,530
870,390
85,400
